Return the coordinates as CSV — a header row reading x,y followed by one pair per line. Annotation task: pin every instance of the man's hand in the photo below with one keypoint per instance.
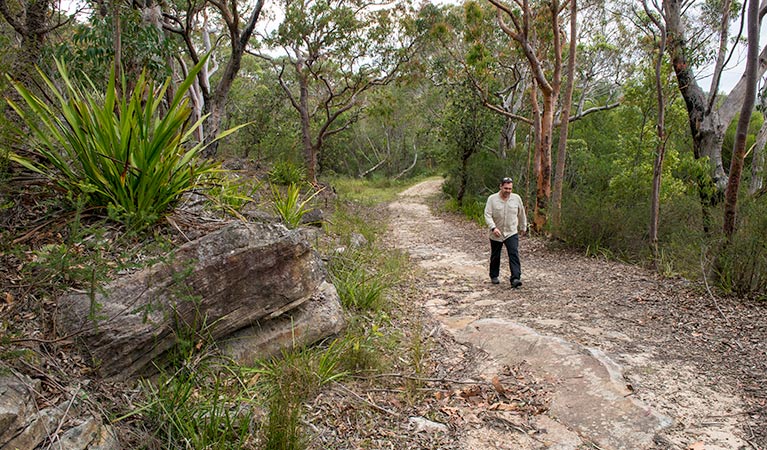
x,y
496,232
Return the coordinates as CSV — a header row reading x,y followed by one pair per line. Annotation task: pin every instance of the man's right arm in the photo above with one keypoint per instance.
x,y
489,214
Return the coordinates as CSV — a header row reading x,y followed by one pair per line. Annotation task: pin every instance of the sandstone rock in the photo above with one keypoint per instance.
x,y
314,217
16,405
216,285
422,424
314,320
36,428
91,434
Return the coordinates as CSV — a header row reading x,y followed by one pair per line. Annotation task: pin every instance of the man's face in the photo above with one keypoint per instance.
x,y
506,189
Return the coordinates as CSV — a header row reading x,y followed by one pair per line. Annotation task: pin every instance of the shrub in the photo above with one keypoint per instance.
x,y
742,264
286,173
122,154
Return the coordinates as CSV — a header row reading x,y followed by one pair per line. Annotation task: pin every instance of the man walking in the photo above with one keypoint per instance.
x,y
505,215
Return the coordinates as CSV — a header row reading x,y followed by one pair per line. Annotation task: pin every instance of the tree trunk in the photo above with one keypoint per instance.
x,y
508,137
660,153
543,185
739,148
217,104
310,151
33,32
757,161
536,111
707,121
559,174
464,177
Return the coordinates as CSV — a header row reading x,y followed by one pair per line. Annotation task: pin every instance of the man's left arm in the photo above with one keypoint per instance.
x,y
521,217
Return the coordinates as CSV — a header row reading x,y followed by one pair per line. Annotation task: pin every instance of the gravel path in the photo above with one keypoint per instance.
x,y
699,360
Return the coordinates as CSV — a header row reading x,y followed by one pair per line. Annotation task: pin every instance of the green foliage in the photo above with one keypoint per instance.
x,y
232,194
473,209
254,98
365,342
81,260
286,173
368,192
125,154
742,264
289,205
290,380
199,407
729,136
484,172
90,49
357,288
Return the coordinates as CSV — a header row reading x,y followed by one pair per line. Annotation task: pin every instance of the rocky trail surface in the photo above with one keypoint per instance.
x,y
619,357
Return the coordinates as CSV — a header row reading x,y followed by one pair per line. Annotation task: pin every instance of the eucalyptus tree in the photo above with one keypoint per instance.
x,y
750,78
197,23
468,46
698,37
327,54
536,29
559,174
648,19
759,155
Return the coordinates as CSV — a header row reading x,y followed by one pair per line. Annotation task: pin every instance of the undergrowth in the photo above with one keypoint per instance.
x,y
201,400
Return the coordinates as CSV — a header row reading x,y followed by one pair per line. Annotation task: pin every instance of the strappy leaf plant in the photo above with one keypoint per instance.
x,y
130,154
289,205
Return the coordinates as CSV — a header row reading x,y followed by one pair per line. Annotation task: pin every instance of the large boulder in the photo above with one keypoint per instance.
x,y
238,276
312,321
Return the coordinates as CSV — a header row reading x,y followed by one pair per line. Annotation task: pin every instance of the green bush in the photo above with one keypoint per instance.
x,y
742,265
124,154
286,173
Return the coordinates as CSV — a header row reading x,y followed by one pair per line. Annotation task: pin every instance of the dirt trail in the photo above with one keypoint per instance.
x,y
653,348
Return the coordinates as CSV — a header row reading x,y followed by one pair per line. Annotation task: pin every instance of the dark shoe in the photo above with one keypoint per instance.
x,y
494,280
515,283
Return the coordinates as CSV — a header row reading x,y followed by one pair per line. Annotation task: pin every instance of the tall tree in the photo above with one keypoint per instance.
x,y
709,114
658,32
330,53
518,20
758,155
559,174
739,148
237,29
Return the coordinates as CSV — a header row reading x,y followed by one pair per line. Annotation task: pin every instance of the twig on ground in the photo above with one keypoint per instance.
x,y
425,380
54,436
366,401
708,288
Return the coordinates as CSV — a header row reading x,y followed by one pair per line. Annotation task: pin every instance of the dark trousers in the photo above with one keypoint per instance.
x,y
512,248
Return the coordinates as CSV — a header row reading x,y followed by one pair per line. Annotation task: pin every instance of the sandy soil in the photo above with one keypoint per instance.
x,y
685,353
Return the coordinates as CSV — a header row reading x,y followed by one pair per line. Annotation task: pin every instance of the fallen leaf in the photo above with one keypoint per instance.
x,y
697,446
497,385
8,298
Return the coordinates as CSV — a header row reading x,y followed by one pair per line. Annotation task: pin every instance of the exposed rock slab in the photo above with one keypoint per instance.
x,y
215,285
320,317
590,395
